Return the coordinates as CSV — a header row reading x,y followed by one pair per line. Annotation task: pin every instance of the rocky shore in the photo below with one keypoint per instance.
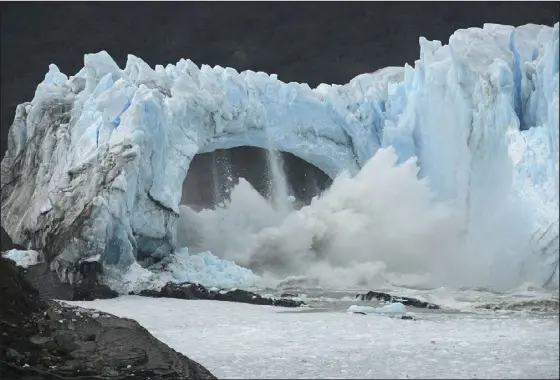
x,y
43,339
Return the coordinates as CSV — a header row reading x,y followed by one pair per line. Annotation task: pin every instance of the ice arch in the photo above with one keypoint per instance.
x,y
96,162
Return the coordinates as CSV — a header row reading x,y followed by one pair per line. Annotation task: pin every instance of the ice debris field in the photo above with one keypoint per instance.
x,y
237,341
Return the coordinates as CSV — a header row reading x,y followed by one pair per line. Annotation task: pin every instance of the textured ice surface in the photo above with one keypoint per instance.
x,y
23,258
202,268
206,269
395,307
96,161
237,341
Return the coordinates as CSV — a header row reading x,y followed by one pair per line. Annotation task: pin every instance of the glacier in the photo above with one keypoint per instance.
x,y
96,161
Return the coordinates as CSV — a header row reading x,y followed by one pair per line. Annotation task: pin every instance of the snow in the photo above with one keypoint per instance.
x,y
395,307
23,259
246,341
479,116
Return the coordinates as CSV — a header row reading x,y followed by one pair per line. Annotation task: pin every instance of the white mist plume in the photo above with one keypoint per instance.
x,y
380,224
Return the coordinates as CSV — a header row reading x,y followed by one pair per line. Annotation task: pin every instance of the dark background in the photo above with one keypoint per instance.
x,y
308,42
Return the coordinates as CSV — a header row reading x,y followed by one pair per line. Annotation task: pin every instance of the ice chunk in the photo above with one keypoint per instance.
x,y
23,259
206,269
202,268
395,307
134,279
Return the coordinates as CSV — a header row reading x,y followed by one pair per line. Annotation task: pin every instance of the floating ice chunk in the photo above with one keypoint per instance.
x,y
395,307
24,259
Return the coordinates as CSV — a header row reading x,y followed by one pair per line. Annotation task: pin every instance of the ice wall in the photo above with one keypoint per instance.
x,y
95,162
461,110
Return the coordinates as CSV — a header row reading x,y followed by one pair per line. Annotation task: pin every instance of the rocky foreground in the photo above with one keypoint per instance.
x,y
40,339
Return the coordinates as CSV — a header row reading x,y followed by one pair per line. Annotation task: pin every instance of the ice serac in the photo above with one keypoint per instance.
x,y
460,109
96,162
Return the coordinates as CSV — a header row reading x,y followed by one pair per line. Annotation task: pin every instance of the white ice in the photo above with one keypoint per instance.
x,y
203,268
23,258
395,307
246,341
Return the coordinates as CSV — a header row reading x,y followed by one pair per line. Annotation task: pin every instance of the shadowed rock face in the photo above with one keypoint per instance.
x,y
207,178
66,342
88,288
407,301
6,242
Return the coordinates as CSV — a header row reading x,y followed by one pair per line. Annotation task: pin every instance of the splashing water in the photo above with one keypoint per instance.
x,y
221,177
278,186
381,225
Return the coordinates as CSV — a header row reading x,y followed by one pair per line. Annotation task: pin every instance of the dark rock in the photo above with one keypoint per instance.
x,y
83,346
359,312
407,301
19,299
85,293
65,343
48,283
148,293
6,242
40,340
12,354
189,291
407,317
283,302
41,277
86,289
285,295
89,271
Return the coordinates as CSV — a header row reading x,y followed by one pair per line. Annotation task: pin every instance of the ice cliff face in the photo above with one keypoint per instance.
x,y
96,162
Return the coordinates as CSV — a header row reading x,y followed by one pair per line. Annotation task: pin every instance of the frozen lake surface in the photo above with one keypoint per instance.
x,y
237,340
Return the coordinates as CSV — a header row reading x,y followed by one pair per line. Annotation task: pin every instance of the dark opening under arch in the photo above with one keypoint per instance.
x,y
211,175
